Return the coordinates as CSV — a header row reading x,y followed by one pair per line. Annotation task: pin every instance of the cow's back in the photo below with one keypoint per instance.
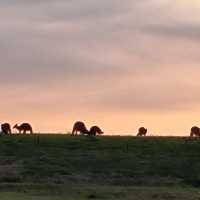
x,y
25,126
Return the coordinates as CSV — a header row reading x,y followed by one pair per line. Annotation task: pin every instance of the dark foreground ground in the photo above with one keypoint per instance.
x,y
63,167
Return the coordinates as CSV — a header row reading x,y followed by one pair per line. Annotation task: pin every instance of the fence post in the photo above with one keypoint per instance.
x,y
127,147
36,139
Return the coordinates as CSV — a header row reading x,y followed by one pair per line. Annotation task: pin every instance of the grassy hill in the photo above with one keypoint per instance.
x,y
101,167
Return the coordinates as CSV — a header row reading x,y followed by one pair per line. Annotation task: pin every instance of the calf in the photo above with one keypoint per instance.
x,y
94,130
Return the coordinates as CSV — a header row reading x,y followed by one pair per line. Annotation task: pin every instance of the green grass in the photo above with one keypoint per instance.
x,y
129,166
84,192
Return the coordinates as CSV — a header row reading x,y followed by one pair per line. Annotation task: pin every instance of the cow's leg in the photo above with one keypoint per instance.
x,y
191,134
73,131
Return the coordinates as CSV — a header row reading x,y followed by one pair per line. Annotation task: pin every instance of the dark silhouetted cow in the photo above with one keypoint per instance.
x,y
24,127
94,130
79,127
195,131
142,131
6,128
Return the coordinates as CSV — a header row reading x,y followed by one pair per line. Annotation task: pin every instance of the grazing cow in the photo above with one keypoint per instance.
x,y
5,128
195,131
142,131
79,127
24,128
94,130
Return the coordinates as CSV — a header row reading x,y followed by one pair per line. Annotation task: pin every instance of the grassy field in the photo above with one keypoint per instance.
x,y
82,192
65,167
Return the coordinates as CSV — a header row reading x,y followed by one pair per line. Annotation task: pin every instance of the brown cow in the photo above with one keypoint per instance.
x,y
142,131
24,127
195,131
5,128
79,127
94,130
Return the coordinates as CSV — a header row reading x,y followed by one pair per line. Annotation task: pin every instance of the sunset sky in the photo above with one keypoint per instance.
x,y
118,64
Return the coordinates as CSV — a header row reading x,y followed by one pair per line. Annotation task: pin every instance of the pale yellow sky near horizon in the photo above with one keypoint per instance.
x,y
123,124
108,63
